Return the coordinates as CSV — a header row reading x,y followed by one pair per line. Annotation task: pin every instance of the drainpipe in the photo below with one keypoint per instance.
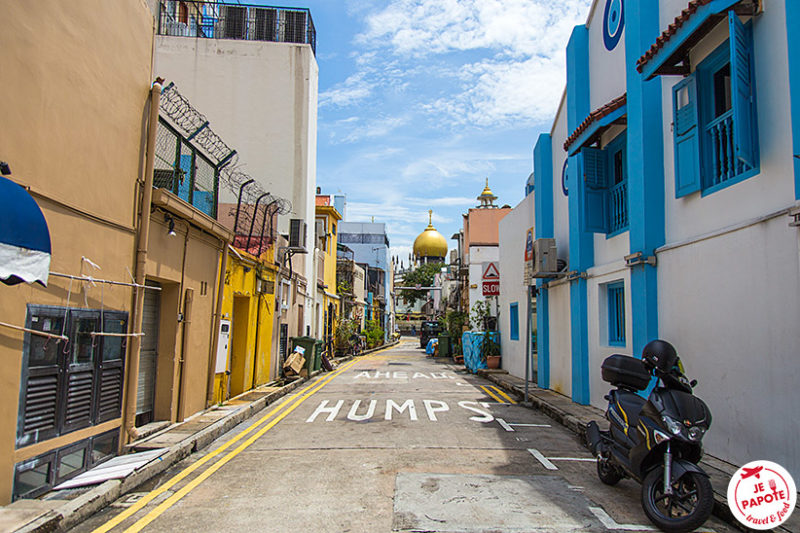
x,y
141,264
188,302
212,357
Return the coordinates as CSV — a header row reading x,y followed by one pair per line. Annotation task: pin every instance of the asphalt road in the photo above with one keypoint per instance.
x,y
392,441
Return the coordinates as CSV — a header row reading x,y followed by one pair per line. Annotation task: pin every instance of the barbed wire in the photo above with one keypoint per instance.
x,y
194,126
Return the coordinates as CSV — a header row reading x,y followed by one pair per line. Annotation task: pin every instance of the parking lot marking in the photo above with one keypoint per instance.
x,y
542,459
610,523
494,396
583,459
503,394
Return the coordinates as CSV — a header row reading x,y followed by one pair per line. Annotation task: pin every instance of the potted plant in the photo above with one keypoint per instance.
x,y
489,349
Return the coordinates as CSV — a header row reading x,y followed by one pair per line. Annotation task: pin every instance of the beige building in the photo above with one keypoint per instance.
x,y
73,111
253,72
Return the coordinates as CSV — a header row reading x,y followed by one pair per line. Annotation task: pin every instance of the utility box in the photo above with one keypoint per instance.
x,y
222,346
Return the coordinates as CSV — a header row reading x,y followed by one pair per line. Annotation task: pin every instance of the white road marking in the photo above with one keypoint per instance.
x,y
542,459
508,426
610,523
584,459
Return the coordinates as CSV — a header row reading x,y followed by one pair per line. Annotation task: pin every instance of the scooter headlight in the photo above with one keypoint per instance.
x,y
673,426
696,433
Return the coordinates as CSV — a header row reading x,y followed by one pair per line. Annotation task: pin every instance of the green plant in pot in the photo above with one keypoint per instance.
x,y
489,349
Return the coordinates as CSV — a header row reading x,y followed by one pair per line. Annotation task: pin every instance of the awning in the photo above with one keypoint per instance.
x,y
24,237
598,121
670,53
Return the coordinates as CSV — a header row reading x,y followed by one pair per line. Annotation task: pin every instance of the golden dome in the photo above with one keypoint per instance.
x,y
430,243
487,192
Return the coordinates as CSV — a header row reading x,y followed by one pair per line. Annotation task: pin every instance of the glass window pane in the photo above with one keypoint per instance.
x,y
83,344
32,479
114,347
44,350
104,446
71,462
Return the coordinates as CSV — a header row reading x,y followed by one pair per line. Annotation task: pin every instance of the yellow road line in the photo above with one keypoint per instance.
x,y
490,393
503,394
181,475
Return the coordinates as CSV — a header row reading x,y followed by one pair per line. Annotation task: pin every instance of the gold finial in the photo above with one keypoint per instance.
x,y
430,217
487,181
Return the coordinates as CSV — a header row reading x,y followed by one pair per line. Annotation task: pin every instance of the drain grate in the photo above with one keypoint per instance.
x,y
399,364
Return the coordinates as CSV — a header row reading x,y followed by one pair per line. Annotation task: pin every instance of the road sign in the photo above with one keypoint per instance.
x,y
491,271
491,288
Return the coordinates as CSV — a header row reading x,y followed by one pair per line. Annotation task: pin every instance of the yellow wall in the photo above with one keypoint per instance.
x,y
252,318
73,102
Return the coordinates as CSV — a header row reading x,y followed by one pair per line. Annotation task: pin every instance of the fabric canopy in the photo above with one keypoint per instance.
x,y
24,237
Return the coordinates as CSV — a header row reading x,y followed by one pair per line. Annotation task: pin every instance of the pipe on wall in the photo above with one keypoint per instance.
x,y
132,370
212,356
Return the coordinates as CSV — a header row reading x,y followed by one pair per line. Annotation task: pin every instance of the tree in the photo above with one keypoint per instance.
x,y
422,276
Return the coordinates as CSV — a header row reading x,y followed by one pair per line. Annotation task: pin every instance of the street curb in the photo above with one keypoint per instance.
x,y
72,512
574,424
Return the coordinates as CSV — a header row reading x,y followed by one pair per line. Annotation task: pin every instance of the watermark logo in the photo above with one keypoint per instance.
x,y
762,495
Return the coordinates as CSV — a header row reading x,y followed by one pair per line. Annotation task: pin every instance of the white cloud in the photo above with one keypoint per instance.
x,y
354,89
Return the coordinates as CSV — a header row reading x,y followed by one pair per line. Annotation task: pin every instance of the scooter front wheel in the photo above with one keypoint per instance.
x,y
686,509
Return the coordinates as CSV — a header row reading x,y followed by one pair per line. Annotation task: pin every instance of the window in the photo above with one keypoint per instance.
x,y
514,319
605,175
615,293
714,117
73,384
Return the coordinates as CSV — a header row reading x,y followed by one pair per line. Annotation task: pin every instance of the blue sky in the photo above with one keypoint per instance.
x,y
421,100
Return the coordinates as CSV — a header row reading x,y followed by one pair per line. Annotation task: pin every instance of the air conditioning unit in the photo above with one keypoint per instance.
x,y
297,235
545,259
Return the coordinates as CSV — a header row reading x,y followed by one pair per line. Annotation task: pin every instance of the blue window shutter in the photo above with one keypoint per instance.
x,y
595,191
686,136
513,317
741,91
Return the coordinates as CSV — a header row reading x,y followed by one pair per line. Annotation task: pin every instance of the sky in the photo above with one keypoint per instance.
x,y
421,100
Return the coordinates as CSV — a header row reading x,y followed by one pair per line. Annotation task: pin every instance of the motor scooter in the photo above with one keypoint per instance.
x,y
656,441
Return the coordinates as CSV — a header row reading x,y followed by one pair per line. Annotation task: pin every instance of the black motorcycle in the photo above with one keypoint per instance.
x,y
657,441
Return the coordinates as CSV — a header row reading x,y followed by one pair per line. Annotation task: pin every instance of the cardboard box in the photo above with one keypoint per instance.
x,y
294,363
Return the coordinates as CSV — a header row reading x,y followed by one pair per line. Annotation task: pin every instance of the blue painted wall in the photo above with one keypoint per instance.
x,y
543,185
793,28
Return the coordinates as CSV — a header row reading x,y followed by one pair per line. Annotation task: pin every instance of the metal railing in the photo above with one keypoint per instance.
x,y
618,199
724,164
217,20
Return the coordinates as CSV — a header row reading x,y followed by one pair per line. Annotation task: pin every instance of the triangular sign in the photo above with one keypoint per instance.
x,y
491,272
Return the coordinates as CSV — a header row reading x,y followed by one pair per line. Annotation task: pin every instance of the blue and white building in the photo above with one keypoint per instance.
x,y
671,185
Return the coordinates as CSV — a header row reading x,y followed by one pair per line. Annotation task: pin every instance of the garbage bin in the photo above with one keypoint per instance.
x,y
319,347
444,345
309,345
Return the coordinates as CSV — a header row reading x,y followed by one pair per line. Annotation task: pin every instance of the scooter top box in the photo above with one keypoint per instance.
x,y
625,371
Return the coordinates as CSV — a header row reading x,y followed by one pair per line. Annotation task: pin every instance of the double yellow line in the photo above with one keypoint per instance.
x,y
298,399
498,394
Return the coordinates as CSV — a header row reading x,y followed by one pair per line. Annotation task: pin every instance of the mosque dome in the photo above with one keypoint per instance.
x,y
430,243
487,197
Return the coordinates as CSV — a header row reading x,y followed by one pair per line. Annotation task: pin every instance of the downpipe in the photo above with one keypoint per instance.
x,y
668,470
132,368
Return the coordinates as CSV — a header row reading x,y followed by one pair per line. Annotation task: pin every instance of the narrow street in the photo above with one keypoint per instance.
x,y
392,441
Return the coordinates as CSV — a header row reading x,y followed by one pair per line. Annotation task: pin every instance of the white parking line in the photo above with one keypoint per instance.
x,y
508,426
542,459
583,459
610,523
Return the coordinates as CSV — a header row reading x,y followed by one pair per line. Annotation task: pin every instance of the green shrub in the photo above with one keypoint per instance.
x,y
374,334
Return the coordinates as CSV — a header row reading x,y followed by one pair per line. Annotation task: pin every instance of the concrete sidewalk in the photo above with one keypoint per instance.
x,y
575,417
61,510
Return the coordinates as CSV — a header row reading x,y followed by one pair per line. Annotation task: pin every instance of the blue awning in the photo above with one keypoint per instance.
x,y
24,237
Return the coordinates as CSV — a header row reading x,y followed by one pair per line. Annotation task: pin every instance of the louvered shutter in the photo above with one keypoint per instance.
x,y
595,190
110,368
742,91
686,136
79,391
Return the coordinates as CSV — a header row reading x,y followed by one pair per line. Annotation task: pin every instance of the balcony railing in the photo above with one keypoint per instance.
x,y
618,197
723,164
216,20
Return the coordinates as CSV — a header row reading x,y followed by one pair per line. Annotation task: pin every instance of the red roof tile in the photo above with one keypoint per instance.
x,y
597,114
680,20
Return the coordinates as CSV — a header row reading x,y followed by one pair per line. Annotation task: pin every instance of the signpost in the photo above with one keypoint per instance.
x,y
491,279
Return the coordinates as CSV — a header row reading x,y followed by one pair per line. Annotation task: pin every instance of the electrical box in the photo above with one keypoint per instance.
x,y
222,346
545,259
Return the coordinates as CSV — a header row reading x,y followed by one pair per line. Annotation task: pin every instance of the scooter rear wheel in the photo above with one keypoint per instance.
x,y
686,509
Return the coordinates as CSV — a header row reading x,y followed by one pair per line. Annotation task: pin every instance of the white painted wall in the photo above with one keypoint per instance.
x,y
513,229
597,322
560,340
477,256
560,201
607,75
261,98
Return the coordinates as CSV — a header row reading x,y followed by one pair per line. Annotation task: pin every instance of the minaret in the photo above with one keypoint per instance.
x,y
487,198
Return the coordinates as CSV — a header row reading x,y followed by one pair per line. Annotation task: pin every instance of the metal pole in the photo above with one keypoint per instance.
x,y
253,221
263,225
239,206
528,347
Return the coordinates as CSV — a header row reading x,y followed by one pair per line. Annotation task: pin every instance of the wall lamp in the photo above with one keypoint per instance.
x,y
171,221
